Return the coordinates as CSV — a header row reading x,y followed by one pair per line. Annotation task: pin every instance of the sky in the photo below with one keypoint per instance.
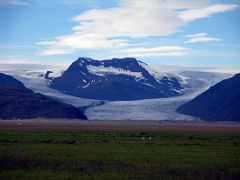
x,y
174,32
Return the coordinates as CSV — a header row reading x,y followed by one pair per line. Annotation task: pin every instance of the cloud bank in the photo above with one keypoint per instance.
x,y
116,28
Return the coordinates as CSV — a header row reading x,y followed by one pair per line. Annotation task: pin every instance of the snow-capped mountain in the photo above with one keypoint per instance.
x,y
115,79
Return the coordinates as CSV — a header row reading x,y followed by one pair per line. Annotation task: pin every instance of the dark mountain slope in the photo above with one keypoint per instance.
x,y
16,101
220,102
7,81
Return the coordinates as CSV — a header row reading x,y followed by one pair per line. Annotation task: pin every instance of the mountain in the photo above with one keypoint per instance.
x,y
16,101
220,102
7,81
115,79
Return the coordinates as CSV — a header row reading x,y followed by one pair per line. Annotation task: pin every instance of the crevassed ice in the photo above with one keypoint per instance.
x,y
164,72
102,70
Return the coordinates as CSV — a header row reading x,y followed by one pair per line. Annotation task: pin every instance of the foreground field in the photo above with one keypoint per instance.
x,y
116,154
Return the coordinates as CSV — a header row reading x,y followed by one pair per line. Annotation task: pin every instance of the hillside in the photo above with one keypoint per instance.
x,y
18,102
220,102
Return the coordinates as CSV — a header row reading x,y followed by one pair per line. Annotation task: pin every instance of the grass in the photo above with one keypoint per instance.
x,y
143,155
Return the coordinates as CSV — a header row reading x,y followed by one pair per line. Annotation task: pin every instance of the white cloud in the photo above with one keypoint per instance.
x,y
67,44
196,35
201,37
114,28
129,21
156,51
193,14
54,51
169,4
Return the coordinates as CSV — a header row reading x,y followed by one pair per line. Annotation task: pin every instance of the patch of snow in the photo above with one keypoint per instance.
x,y
156,74
147,84
82,60
102,70
85,86
83,73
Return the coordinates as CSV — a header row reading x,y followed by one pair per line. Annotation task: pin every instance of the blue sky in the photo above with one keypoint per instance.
x,y
181,32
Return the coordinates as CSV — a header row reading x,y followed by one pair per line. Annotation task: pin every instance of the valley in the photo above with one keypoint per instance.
x,y
193,81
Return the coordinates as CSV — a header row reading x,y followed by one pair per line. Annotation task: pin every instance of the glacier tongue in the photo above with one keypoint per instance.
x,y
162,109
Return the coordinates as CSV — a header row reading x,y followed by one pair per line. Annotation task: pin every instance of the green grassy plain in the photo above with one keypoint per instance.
x,y
133,155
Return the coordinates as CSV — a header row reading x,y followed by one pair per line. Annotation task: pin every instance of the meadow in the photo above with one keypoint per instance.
x,y
119,155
